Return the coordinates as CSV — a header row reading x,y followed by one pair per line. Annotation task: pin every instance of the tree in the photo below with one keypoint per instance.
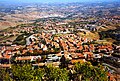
x,y
4,75
39,74
100,73
63,62
56,74
79,72
22,72
88,72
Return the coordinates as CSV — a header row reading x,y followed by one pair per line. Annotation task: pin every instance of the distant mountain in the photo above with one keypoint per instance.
x,y
53,1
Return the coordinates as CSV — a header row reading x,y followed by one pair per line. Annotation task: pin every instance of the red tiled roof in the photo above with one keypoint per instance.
x,y
7,56
80,55
5,65
89,53
80,48
24,58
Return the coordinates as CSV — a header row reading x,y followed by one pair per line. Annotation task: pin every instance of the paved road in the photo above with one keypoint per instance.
x,y
114,68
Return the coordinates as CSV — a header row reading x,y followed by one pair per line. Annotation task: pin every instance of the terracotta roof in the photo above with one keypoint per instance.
x,y
24,58
89,53
78,60
24,51
80,55
80,48
5,65
31,51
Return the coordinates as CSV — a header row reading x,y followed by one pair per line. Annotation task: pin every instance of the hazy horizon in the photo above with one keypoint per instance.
x,y
55,1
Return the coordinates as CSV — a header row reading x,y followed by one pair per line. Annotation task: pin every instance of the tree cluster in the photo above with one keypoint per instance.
x,y
79,72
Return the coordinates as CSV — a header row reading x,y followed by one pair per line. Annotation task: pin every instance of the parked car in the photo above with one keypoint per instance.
x,y
53,58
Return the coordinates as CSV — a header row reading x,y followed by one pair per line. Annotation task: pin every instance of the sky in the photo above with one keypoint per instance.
x,y
55,1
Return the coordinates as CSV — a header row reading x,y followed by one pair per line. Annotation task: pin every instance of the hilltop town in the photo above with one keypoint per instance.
x,y
47,33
